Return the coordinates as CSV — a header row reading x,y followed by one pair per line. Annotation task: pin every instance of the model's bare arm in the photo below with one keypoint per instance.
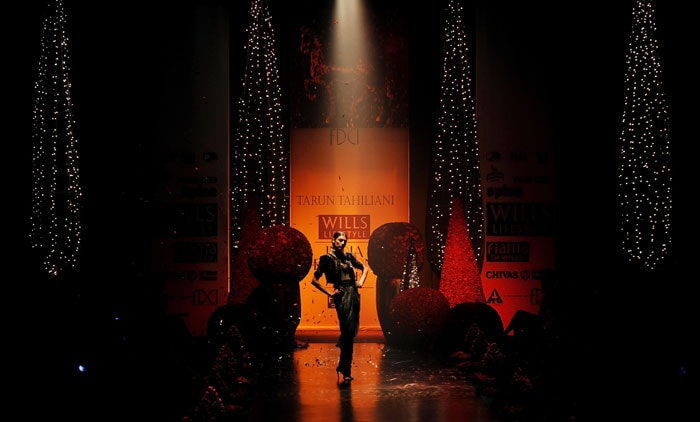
x,y
320,287
361,281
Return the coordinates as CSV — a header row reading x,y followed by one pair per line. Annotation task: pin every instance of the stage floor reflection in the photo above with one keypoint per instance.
x,y
390,385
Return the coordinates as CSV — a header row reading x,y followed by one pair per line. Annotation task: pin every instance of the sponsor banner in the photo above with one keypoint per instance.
x,y
510,281
519,214
348,179
190,242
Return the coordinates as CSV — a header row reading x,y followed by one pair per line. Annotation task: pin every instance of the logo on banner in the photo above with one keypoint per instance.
x,y
355,225
340,136
507,251
188,252
188,220
519,219
494,298
513,274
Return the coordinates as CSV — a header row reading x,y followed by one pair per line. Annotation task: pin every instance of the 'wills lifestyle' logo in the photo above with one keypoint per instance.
x,y
355,225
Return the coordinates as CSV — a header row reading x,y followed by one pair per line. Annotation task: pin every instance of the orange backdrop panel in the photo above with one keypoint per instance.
x,y
350,179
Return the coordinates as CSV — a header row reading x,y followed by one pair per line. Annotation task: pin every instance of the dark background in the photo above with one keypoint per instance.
x,y
127,55
127,60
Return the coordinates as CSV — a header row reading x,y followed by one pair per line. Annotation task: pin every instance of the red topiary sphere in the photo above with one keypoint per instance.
x,y
280,254
419,316
388,248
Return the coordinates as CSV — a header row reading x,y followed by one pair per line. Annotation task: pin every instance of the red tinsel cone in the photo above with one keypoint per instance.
x,y
460,279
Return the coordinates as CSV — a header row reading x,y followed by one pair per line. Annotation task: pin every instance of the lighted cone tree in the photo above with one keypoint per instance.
x,y
410,273
460,280
644,168
56,190
260,156
456,163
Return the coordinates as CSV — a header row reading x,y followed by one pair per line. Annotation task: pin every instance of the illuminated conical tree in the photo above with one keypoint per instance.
x,y
260,156
644,168
56,189
460,280
456,162
410,277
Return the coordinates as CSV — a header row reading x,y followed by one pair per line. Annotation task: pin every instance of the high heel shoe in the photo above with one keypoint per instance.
x,y
346,378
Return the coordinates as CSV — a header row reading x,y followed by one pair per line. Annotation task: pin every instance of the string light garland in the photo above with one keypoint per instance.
x,y
456,167
644,168
56,190
411,278
260,163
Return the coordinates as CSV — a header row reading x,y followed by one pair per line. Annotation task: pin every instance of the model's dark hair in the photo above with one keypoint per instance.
x,y
338,234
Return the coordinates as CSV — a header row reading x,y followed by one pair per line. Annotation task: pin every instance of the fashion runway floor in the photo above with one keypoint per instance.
x,y
165,380
389,385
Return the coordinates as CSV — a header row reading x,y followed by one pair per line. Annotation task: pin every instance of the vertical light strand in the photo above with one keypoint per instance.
x,y
644,167
56,191
410,278
260,153
456,167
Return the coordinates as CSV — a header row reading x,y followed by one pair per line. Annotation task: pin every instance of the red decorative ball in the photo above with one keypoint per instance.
x,y
388,248
280,254
419,317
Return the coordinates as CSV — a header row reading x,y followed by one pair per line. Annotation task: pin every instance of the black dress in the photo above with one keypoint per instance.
x,y
340,271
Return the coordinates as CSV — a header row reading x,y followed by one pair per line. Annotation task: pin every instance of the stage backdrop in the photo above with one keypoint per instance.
x,y
190,242
517,166
348,179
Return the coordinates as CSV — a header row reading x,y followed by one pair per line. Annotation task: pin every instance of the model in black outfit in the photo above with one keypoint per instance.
x,y
339,268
